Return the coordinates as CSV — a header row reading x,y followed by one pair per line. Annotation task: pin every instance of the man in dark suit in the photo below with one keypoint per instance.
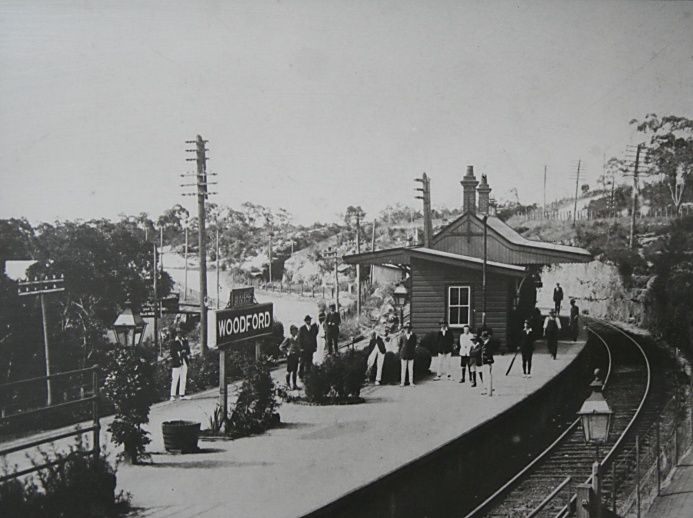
x,y
308,342
557,298
332,321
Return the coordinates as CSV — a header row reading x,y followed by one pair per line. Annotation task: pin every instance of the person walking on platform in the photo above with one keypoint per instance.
x,y
466,344
574,320
291,348
407,353
332,321
557,298
488,345
552,325
527,349
444,341
376,354
308,343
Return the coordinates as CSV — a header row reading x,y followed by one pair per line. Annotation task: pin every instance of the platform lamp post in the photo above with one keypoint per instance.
x,y
401,296
129,326
595,417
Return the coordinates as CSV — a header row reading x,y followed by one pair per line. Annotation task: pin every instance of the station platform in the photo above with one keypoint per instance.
x,y
321,453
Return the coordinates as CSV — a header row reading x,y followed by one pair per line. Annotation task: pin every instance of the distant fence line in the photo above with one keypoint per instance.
x,y
583,214
299,288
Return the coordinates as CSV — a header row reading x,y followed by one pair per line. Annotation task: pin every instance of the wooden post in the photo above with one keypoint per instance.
x,y
95,412
597,488
577,181
631,241
676,442
584,501
659,462
223,388
637,475
185,291
49,387
358,268
202,238
483,274
155,275
613,487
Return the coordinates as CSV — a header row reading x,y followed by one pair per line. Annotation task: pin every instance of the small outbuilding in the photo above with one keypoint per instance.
x,y
476,271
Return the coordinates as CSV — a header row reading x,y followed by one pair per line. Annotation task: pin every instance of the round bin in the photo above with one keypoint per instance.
x,y
181,436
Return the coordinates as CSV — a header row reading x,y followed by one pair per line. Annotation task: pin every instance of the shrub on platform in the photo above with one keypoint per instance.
x,y
428,342
129,385
79,486
338,379
256,406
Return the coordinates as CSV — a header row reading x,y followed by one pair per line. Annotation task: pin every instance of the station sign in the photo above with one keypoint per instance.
x,y
241,297
235,324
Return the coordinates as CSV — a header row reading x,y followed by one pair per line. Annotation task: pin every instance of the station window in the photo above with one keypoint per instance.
x,y
459,305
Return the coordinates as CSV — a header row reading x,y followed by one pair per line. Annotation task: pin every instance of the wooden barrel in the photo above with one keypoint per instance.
x,y
181,436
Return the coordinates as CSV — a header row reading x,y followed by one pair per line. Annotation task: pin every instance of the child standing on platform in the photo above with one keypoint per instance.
x,y
291,348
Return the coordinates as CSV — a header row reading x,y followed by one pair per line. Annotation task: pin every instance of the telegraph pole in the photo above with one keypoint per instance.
x,y
155,275
426,197
329,254
269,253
185,293
631,239
544,213
359,215
216,224
202,195
372,248
577,182
43,287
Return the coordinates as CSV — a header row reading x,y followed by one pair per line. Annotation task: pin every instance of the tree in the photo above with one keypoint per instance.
x,y
670,151
173,222
104,265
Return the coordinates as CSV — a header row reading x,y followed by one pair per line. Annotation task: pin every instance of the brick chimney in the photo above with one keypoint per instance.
x,y
484,190
469,183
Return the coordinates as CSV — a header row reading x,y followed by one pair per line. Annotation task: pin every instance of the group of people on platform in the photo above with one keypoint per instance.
x,y
475,349
476,355
302,343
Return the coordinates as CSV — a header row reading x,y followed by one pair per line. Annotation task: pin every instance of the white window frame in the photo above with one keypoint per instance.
x,y
460,288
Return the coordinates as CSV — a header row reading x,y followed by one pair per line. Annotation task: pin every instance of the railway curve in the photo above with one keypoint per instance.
x,y
635,386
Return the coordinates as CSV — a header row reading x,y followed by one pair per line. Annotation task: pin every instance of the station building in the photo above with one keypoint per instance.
x,y
477,269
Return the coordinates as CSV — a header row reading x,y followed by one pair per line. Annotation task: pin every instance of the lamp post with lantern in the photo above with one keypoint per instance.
x,y
595,417
401,296
129,326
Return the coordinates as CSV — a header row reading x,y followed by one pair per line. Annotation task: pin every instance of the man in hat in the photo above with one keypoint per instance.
x,y
308,344
407,353
557,297
332,321
552,325
444,340
180,354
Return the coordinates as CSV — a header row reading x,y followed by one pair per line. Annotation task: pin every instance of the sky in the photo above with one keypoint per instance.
x,y
317,105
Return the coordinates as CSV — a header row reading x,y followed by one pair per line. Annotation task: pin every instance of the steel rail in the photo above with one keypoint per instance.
x,y
618,442
538,459
572,427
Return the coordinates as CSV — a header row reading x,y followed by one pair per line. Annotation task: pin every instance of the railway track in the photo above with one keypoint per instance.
x,y
635,387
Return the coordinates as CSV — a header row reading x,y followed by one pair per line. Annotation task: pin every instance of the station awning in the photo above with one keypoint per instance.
x,y
403,256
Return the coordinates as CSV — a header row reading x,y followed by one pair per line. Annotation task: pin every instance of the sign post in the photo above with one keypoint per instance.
x,y
235,324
